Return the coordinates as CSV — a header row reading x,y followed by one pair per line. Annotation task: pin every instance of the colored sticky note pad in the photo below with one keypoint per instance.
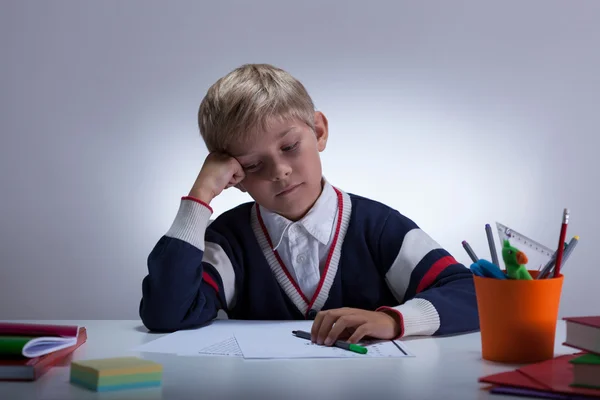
x,y
108,374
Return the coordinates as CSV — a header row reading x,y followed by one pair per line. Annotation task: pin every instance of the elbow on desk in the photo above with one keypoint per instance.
x,y
158,320
166,318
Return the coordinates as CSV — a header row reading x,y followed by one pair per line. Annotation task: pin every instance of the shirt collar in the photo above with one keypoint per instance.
x,y
318,221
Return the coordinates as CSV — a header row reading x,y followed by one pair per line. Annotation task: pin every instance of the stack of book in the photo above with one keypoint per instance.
x,y
583,333
569,376
27,351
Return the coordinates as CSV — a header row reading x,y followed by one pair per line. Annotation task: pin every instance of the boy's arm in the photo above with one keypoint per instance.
x,y
191,274
435,292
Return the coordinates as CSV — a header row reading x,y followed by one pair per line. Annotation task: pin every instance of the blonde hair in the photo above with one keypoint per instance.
x,y
243,102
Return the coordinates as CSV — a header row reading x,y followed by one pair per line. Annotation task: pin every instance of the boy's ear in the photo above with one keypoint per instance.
x,y
321,130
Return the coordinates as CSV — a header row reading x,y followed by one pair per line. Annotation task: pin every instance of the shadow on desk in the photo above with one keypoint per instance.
x,y
411,338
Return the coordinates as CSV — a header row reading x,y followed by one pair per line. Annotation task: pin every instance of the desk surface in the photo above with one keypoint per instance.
x,y
446,367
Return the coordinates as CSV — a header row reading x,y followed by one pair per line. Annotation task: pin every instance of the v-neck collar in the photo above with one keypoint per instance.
x,y
285,280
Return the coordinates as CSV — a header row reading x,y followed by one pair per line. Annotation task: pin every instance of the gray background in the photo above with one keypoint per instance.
x,y
457,113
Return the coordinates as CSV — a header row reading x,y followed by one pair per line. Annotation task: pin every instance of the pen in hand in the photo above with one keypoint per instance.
x,y
338,343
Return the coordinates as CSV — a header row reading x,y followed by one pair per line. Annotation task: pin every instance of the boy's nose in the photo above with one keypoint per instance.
x,y
280,172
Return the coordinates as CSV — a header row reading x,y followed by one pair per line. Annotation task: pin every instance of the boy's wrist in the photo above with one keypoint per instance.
x,y
398,319
204,196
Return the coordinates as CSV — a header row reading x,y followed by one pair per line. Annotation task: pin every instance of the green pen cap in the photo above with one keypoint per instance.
x,y
358,349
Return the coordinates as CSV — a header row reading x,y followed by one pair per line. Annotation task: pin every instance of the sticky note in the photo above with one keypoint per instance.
x,y
108,374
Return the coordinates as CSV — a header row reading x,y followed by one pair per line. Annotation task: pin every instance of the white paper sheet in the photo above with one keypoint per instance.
x,y
261,339
214,339
275,340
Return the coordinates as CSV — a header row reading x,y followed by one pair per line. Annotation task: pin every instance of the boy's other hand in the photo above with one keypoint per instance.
x,y
219,172
352,325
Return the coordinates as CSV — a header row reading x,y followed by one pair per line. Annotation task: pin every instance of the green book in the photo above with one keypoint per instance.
x,y
12,346
15,346
586,371
587,359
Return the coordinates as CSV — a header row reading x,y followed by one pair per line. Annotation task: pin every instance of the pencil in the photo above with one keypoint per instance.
x,y
490,238
561,241
470,251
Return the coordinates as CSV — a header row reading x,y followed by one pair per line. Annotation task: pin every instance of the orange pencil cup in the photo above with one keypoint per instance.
x,y
517,318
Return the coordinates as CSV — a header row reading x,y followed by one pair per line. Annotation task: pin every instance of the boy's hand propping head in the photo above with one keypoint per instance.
x,y
219,172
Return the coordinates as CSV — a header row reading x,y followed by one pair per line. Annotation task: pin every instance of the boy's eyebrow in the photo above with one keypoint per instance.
x,y
283,133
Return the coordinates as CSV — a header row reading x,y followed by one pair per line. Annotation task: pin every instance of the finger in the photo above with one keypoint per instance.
x,y
316,326
329,320
326,325
239,175
241,187
314,330
236,180
344,322
359,333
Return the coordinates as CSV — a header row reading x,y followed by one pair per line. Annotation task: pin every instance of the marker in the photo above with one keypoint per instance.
x,y
490,238
569,249
469,251
561,240
338,343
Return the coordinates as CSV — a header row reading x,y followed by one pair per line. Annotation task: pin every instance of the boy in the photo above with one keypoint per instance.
x,y
303,249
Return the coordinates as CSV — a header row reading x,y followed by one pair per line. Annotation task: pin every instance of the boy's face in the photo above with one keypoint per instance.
x,y
283,167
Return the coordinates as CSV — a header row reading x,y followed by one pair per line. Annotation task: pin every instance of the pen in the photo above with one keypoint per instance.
x,y
490,238
338,343
469,251
561,240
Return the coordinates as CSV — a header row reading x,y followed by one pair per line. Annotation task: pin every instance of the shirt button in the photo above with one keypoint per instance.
x,y
312,314
301,258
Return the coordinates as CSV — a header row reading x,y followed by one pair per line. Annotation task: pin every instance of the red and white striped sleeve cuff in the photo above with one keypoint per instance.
x,y
418,317
191,221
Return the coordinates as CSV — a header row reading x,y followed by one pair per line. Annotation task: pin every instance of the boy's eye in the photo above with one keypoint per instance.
x,y
251,167
289,148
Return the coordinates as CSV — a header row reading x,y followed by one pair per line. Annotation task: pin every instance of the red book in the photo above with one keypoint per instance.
x,y
11,328
30,369
583,333
552,376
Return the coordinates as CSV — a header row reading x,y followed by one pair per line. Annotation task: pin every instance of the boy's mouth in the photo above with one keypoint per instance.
x,y
288,190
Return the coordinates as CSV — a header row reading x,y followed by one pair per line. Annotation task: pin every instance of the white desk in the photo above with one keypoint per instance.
x,y
443,368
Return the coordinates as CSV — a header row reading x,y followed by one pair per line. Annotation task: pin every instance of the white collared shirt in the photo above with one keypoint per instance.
x,y
304,245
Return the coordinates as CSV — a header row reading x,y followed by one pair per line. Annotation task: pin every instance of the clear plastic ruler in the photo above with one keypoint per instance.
x,y
537,254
